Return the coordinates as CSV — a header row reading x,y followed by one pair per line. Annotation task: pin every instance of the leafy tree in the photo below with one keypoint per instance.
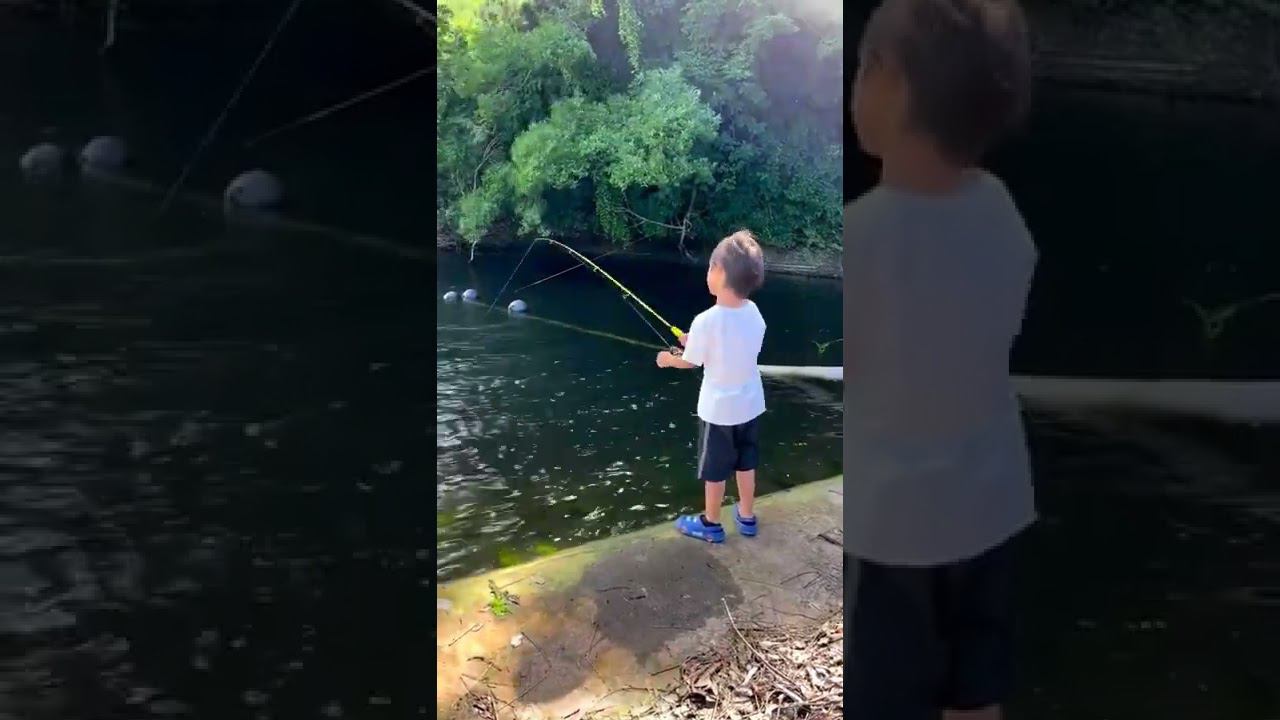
x,y
491,88
632,145
661,121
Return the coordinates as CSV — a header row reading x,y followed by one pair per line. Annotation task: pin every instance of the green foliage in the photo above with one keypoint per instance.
x,y
1213,321
501,602
783,196
645,139
672,129
466,18
613,223
629,31
480,208
822,346
490,89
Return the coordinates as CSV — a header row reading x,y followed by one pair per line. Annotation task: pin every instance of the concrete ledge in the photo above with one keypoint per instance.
x,y
1255,401
1228,401
600,624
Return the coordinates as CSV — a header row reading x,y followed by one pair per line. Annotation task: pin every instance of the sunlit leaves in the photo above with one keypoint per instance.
x,y
507,79
629,31
467,18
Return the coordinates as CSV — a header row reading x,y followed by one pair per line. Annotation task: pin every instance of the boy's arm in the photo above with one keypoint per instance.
x,y
693,352
668,359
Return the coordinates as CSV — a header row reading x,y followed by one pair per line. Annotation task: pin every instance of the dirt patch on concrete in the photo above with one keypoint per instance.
x,y
625,610
650,594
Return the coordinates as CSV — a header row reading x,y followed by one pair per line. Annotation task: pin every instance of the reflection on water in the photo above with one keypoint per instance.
x,y
1151,578
214,441
547,437
213,480
213,469
1145,208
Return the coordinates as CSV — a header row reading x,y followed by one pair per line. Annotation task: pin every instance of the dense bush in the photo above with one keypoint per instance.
x,y
664,121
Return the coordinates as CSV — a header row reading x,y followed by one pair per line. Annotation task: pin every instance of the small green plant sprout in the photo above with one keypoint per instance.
x,y
1213,321
501,602
822,346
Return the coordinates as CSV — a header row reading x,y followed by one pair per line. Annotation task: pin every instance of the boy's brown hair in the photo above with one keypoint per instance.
x,y
742,261
967,65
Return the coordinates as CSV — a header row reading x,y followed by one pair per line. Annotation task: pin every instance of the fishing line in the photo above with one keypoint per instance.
x,y
326,111
625,290
589,331
569,269
512,276
627,295
226,110
661,338
566,326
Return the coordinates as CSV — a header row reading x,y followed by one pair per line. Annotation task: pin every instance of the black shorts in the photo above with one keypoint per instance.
x,y
726,449
930,638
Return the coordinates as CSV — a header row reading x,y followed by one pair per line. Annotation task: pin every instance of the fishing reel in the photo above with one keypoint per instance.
x,y
675,351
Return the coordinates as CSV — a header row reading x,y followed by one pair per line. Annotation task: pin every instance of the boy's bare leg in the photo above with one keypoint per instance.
x,y
747,493
987,713
715,498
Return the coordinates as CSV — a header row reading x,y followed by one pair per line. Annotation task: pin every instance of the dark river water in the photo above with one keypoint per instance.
x,y
1152,587
214,443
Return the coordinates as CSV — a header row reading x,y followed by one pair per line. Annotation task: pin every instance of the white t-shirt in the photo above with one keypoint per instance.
x,y
725,342
935,463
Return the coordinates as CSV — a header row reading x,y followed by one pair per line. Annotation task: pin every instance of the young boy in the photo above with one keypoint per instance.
x,y
725,340
939,264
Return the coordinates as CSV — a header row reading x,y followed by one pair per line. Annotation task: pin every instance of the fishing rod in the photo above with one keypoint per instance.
x,y
562,272
626,292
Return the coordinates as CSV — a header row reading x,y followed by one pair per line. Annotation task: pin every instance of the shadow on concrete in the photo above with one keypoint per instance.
x,y
625,609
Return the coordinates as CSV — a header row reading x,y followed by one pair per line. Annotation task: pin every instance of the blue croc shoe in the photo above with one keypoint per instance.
x,y
693,526
747,528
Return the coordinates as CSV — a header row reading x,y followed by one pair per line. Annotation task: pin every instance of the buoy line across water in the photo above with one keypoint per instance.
x,y
571,326
830,374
